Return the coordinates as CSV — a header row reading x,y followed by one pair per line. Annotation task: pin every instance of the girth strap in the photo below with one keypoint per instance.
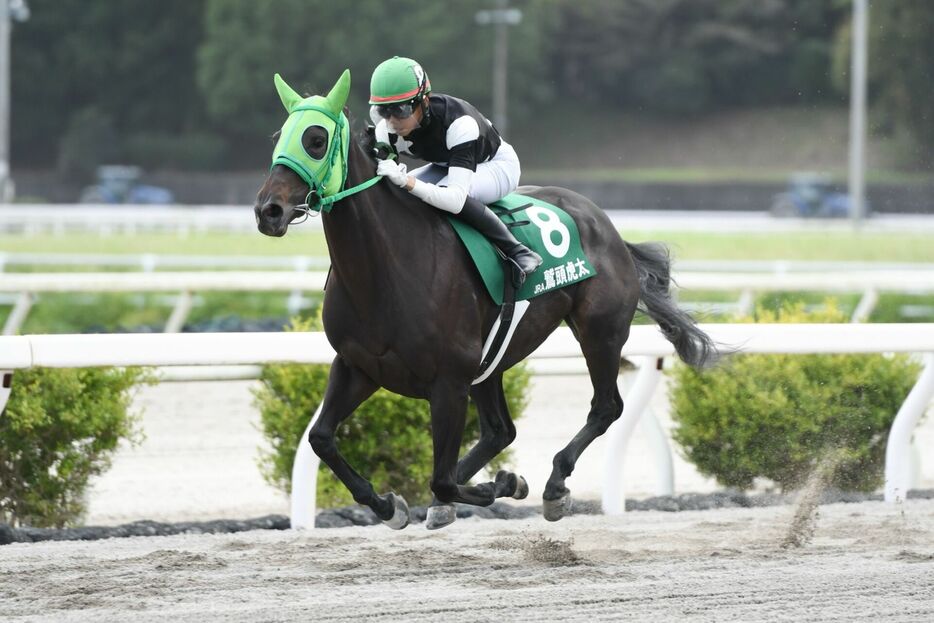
x,y
510,313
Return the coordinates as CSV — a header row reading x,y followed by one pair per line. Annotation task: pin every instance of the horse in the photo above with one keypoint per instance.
x,y
406,309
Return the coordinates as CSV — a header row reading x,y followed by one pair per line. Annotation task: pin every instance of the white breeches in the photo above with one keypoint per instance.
x,y
492,180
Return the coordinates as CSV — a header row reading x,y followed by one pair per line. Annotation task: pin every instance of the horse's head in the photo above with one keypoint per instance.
x,y
310,158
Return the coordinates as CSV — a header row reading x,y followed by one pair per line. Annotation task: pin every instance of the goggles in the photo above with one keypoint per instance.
x,y
400,110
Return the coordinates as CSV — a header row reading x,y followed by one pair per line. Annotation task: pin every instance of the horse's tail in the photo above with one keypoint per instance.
x,y
653,266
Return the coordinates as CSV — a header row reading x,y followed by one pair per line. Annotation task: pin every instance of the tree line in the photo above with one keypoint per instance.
x,y
188,83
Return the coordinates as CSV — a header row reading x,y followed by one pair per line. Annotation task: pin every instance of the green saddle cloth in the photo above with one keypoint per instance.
x,y
548,230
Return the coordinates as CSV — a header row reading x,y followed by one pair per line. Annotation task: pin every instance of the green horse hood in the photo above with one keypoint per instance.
x,y
325,175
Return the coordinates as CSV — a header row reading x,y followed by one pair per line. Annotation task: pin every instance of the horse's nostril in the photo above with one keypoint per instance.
x,y
272,211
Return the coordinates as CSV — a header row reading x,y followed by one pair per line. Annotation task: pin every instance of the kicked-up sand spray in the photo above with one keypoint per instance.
x,y
804,521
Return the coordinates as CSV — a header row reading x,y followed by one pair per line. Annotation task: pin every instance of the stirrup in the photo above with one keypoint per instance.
x,y
531,255
518,275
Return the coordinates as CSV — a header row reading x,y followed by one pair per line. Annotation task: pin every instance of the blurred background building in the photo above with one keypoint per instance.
x,y
639,104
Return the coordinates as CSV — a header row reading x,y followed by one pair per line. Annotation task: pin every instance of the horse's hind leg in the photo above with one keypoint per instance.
x,y
601,344
497,431
448,415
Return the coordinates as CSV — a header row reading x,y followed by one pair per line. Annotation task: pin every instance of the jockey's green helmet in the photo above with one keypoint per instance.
x,y
398,80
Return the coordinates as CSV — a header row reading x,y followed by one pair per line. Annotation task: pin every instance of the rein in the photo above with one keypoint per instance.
x,y
324,204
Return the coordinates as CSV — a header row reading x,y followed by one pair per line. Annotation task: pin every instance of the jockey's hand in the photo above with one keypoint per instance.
x,y
397,173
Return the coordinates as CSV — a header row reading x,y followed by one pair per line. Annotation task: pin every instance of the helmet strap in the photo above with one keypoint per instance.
x,y
426,110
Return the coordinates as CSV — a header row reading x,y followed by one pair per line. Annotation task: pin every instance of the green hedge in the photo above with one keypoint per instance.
x,y
59,428
387,440
775,416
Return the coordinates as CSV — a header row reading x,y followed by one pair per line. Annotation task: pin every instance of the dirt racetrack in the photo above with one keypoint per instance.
x,y
868,561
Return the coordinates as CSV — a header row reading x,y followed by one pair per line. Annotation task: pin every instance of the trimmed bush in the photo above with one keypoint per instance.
x,y
776,416
59,428
387,440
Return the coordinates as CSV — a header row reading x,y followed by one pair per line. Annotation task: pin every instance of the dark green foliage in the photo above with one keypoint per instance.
x,y
132,60
901,67
169,74
680,56
901,76
895,307
59,428
196,150
89,141
311,41
387,440
776,416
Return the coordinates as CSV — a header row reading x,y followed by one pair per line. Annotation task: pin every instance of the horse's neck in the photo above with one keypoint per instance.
x,y
368,232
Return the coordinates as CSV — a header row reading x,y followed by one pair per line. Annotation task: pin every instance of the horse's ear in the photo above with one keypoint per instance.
x,y
287,94
337,97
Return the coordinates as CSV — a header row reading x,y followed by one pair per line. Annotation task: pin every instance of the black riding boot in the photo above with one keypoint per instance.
x,y
481,218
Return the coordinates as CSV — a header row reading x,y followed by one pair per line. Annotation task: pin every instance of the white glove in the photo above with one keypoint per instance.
x,y
396,172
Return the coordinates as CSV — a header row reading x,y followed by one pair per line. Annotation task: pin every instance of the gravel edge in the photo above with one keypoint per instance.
x,y
362,516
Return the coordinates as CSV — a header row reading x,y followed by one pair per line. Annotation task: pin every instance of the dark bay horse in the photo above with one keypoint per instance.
x,y
405,309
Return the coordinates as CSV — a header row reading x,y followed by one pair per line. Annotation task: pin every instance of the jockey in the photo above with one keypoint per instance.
x,y
470,165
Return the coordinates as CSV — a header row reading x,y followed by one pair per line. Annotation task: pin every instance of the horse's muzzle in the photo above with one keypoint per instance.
x,y
270,219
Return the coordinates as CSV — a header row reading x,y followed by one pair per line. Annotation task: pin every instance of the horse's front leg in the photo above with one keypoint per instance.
x,y
347,388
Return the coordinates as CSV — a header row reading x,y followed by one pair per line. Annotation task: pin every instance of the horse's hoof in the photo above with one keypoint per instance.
x,y
400,515
556,509
522,489
439,516
507,480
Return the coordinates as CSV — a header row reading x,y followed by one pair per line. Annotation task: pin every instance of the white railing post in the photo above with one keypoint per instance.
x,y
305,481
6,386
746,303
866,304
635,402
898,448
18,315
296,299
661,451
179,313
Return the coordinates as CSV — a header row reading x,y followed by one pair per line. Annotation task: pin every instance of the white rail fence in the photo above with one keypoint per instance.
x,y
126,219
148,262
26,286
645,343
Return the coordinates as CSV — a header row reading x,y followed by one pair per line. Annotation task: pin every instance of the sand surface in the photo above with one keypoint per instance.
x,y
868,561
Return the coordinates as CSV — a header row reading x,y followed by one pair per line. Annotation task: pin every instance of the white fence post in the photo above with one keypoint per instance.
x,y
18,315
179,313
635,402
296,300
661,451
305,480
6,386
867,303
898,472
746,303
